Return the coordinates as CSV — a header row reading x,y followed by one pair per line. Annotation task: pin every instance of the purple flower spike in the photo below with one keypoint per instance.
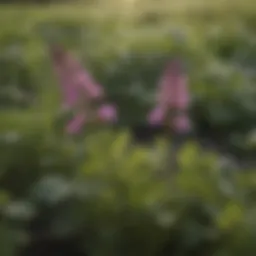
x,y
178,88
173,97
107,113
85,81
79,91
69,92
173,91
156,116
76,83
181,124
76,124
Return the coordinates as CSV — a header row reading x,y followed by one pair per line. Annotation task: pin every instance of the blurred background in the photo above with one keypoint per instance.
x,y
96,195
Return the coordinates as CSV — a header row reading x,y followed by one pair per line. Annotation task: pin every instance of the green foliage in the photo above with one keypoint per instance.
x,y
125,199
126,53
116,197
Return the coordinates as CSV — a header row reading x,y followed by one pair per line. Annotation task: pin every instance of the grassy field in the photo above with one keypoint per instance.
x,y
98,188
122,42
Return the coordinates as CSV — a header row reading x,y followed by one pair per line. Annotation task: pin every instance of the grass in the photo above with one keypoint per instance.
x,y
105,32
133,9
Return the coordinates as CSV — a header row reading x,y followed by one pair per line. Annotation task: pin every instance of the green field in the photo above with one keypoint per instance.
x,y
117,198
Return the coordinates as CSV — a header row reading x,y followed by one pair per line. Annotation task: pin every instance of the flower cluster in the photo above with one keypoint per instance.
x,y
81,94
172,100
87,99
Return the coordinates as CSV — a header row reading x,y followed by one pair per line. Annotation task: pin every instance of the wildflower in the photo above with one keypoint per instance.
x,y
81,93
76,124
107,112
172,100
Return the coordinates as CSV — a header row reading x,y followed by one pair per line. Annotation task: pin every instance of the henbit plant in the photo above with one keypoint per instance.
x,y
172,100
110,194
86,98
81,94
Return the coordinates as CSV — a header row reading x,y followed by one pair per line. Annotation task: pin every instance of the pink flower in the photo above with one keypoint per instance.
x,y
156,116
107,113
173,96
76,124
79,91
181,124
69,92
173,91
86,82
75,81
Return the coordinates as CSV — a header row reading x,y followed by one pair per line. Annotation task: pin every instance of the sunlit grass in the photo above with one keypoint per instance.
x,y
99,9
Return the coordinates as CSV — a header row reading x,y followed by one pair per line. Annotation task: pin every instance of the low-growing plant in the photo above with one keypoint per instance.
x,y
104,195
120,173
